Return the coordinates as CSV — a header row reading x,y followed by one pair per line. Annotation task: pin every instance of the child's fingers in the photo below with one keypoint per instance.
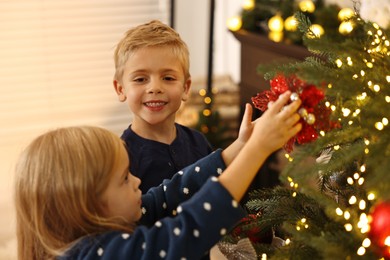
x,y
247,117
280,102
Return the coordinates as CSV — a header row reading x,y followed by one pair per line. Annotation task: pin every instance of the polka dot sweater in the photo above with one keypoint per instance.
x,y
182,219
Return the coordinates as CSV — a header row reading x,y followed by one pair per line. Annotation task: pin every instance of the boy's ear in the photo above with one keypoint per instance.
x,y
187,87
120,91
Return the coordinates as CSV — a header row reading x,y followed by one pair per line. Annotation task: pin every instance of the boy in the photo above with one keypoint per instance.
x,y
152,76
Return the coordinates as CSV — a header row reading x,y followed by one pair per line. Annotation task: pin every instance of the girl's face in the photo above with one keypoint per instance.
x,y
122,198
154,85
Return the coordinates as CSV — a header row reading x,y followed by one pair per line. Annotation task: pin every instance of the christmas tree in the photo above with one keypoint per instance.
x,y
335,199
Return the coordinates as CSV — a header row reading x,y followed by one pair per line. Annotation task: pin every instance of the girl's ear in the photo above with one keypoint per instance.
x,y
120,90
187,87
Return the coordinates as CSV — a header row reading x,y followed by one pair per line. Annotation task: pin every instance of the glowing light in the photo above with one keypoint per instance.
x,y
350,181
336,147
294,194
371,196
288,241
388,78
361,180
207,100
234,23
387,241
345,14
362,204
307,6
248,5
275,23
377,88
363,168
361,251
352,200
339,63
356,175
291,24
362,73
339,212
379,126
263,256
207,112
347,215
317,31
385,121
348,227
370,65
366,242
202,92
275,36
346,112
346,27
387,98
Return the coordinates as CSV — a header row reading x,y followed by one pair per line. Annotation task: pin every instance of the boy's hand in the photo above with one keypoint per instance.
x,y
246,126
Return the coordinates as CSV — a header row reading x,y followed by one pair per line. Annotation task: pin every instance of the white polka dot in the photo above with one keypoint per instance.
x,y
176,231
165,188
179,209
143,245
186,190
197,169
143,210
162,254
214,179
180,172
219,170
158,224
207,206
223,231
234,204
196,233
164,205
125,236
100,251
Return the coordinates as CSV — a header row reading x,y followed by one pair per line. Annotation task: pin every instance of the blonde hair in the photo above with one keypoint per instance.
x,y
151,34
59,178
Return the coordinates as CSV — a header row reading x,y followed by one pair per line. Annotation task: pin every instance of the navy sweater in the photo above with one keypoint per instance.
x,y
152,161
182,219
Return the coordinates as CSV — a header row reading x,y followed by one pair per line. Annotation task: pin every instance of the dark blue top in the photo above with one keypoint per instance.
x,y
152,161
182,219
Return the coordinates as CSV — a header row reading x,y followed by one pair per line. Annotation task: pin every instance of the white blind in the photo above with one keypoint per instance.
x,y
56,68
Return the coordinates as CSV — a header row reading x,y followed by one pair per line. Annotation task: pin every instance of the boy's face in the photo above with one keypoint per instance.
x,y
122,197
154,85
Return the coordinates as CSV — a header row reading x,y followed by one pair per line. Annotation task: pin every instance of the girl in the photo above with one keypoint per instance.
x,y
75,198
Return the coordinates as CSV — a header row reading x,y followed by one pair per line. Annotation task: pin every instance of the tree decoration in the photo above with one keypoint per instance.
x,y
380,228
314,114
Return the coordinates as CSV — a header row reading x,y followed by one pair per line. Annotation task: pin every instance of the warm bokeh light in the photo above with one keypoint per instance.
x,y
291,24
345,14
248,5
234,23
307,6
275,23
317,30
346,27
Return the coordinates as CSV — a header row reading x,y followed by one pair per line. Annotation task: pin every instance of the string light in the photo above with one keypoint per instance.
x,y
248,5
234,23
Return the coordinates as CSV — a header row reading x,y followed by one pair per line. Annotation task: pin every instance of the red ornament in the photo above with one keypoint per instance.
x,y
311,98
255,234
380,227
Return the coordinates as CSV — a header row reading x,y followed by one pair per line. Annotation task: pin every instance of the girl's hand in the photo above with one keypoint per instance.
x,y
277,125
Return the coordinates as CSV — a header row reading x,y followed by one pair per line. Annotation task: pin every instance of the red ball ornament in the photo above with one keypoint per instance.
x,y
380,227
